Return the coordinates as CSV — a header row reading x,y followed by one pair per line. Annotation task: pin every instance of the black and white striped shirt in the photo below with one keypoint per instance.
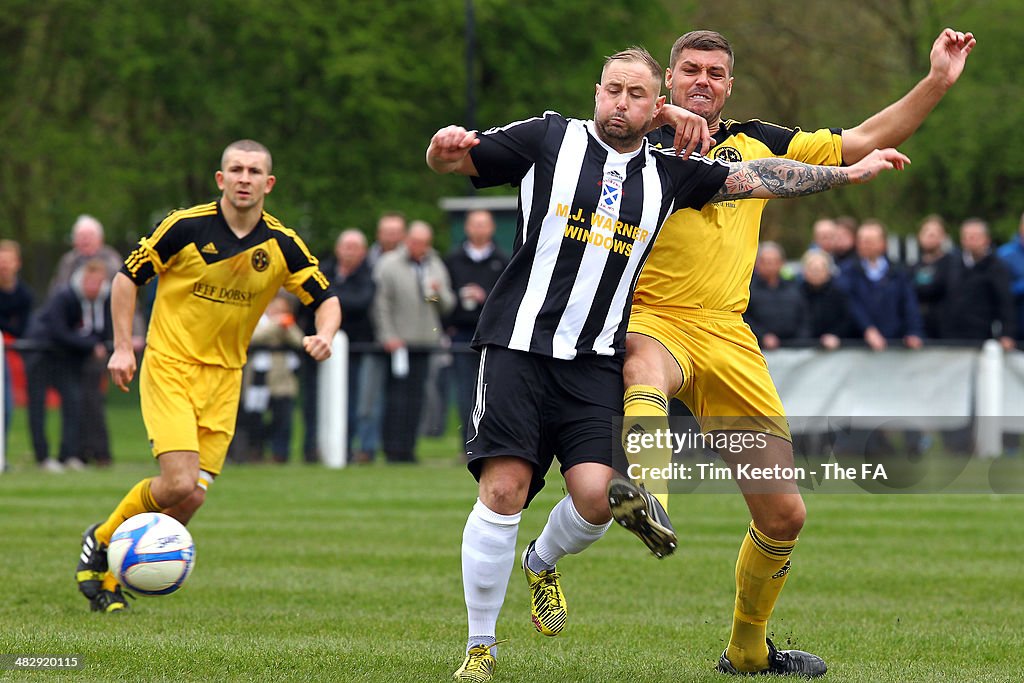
x,y
588,217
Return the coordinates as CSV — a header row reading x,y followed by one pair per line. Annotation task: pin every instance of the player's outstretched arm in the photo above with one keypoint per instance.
x,y
121,365
448,151
897,122
775,178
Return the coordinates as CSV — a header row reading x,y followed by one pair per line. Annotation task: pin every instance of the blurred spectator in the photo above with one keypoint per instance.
x,y
73,326
413,292
391,228
883,307
86,244
372,378
15,295
270,384
15,307
351,278
931,273
844,240
980,305
827,312
434,416
777,311
880,294
824,235
1012,254
309,386
474,267
370,407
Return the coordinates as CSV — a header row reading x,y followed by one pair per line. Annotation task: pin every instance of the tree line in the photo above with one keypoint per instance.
x,y
121,109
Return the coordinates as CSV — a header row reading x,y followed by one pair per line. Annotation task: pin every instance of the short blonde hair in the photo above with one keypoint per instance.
x,y
636,54
95,265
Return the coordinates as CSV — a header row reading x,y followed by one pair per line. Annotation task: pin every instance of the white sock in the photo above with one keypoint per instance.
x,y
488,554
566,533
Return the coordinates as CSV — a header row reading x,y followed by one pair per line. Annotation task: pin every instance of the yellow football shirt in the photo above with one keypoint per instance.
x,y
213,286
704,259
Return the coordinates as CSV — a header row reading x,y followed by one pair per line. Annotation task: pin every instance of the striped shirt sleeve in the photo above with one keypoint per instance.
x,y
155,251
305,279
505,154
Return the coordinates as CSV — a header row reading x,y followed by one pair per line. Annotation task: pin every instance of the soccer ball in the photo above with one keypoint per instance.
x,y
151,554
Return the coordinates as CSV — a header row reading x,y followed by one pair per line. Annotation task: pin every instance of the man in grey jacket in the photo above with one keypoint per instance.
x,y
413,292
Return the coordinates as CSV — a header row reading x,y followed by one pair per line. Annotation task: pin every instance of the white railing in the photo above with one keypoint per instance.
x,y
332,405
931,388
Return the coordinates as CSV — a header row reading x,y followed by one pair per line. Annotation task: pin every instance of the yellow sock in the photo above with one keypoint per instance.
x,y
110,582
646,410
761,571
139,499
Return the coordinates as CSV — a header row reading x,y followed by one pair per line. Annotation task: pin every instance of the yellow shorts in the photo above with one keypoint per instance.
x,y
189,407
725,376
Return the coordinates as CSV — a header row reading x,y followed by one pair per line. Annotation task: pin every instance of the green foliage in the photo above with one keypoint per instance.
x,y
121,108
817,65
975,139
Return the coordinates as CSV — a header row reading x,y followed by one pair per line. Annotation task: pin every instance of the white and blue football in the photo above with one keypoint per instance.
x,y
151,554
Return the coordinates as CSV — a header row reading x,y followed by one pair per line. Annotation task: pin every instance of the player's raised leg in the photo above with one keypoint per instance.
x,y
778,515
651,375
488,555
575,523
177,482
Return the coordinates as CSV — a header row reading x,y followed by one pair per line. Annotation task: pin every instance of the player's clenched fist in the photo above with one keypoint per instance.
x,y
449,150
316,347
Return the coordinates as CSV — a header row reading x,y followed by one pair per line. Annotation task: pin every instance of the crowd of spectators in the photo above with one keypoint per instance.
x,y
410,315
849,288
67,336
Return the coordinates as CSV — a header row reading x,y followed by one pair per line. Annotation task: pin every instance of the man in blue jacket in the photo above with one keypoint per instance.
x,y
881,295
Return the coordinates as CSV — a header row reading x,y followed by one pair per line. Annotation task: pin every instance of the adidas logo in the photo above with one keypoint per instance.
x,y
209,248
782,572
637,429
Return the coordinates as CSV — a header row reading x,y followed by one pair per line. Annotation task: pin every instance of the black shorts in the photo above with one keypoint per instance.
x,y
536,408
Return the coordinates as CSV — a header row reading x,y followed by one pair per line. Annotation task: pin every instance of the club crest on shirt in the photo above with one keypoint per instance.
x,y
728,154
611,193
260,260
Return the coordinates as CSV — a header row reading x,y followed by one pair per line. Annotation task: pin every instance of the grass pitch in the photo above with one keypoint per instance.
x,y
308,574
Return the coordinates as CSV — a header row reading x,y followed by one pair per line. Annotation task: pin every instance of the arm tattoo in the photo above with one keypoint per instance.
x,y
767,178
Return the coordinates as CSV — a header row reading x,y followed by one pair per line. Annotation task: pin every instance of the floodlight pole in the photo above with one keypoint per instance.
x,y
470,66
470,38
